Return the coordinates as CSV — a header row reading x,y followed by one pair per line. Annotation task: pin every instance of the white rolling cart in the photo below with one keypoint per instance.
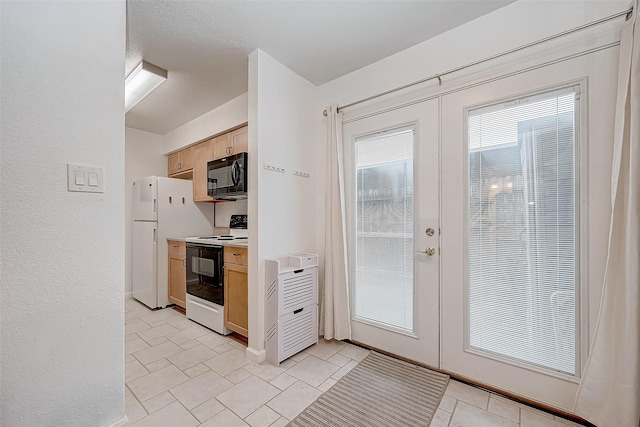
x,y
291,309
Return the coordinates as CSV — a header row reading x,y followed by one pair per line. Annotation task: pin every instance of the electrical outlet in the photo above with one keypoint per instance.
x,y
302,174
273,168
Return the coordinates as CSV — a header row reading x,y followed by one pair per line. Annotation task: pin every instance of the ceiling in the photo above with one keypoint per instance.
x,y
204,45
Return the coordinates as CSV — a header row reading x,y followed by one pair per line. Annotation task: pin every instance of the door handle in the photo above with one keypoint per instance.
x,y
428,251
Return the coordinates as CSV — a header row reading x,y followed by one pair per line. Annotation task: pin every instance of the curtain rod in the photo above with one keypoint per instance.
x,y
438,76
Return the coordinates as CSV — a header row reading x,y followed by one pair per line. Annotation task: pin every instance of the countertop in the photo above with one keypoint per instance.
x,y
236,243
177,239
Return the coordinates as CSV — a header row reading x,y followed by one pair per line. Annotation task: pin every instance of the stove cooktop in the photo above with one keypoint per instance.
x,y
223,238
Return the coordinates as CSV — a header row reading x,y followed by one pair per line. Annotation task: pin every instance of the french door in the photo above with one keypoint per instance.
x,y
392,217
524,220
477,226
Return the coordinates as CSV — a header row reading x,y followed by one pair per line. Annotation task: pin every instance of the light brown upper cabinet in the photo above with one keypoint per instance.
x,y
202,154
240,140
231,143
221,146
180,162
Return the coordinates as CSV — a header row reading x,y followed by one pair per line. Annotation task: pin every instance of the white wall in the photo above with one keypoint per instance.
x,y
282,215
62,260
512,26
216,121
224,210
143,157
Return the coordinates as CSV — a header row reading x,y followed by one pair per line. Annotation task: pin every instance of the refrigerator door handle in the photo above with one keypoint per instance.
x,y
155,235
155,206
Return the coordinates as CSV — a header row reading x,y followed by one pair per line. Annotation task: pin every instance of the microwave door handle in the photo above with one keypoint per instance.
x,y
235,173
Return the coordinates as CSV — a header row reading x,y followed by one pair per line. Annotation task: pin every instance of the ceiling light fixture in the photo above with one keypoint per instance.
x,y
141,82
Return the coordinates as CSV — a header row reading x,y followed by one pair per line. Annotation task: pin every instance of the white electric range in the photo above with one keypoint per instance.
x,y
205,274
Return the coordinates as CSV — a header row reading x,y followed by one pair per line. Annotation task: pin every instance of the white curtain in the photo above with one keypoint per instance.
x,y
334,309
609,394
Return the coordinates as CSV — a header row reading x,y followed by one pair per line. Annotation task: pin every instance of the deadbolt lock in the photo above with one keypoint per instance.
x,y
430,231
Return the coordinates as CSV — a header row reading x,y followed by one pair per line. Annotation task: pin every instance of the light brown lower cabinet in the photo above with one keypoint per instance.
x,y
177,273
236,309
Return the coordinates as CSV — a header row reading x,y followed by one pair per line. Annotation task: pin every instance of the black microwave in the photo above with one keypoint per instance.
x,y
227,177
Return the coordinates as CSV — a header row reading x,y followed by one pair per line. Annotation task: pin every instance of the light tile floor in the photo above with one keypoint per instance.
x,y
181,374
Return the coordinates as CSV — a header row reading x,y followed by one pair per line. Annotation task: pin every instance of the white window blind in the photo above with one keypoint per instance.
x,y
383,289
522,230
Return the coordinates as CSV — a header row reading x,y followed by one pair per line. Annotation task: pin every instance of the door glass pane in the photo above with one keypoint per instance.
x,y
522,230
384,242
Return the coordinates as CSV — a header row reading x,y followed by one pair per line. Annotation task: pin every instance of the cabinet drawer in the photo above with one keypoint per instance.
x,y
236,255
297,289
176,247
292,333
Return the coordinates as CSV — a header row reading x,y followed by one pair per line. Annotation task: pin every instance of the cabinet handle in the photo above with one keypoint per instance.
x,y
184,262
170,200
237,254
175,246
178,165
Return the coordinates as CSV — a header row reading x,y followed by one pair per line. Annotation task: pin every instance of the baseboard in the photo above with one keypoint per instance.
x,y
121,423
256,356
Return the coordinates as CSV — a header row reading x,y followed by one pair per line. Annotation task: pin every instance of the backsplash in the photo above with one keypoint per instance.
x,y
224,210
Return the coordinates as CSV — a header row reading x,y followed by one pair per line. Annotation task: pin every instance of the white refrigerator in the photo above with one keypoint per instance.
x,y
162,208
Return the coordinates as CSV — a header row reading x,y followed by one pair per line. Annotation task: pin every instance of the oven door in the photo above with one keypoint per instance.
x,y
204,272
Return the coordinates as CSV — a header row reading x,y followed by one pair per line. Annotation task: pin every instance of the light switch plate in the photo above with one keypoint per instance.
x,y
93,175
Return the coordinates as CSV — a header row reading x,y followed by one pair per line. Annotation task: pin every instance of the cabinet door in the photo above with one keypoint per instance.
x,y
181,161
236,311
177,280
240,140
186,159
202,154
173,165
221,146
177,273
